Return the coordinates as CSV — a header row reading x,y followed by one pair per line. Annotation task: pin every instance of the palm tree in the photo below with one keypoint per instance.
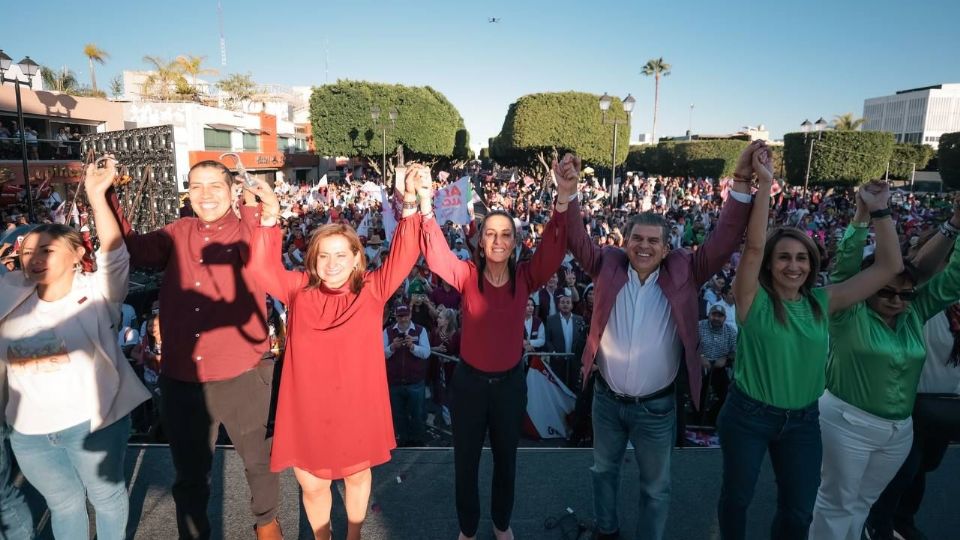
x,y
94,54
846,122
192,66
162,82
658,68
62,80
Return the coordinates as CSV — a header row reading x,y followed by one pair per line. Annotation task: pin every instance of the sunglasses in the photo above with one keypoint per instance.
x,y
906,295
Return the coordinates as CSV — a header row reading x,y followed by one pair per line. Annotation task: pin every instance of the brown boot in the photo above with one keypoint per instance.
x,y
269,531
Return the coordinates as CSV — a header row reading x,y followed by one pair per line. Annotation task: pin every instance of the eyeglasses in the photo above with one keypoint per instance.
x,y
907,295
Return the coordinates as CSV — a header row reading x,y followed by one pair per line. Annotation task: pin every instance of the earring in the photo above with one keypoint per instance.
x,y
78,267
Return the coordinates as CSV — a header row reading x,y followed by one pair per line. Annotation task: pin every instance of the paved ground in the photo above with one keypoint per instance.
x,y
412,496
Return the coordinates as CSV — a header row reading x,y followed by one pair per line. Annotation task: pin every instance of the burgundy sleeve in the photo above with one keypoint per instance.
x,y
578,241
440,259
553,246
404,251
150,250
265,266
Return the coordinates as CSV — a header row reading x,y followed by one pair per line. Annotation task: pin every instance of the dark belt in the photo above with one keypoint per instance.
x,y
623,398
490,376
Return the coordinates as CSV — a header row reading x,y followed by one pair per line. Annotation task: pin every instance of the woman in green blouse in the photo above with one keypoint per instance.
x,y
781,356
877,352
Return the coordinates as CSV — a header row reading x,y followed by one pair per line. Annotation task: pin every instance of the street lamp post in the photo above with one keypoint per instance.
x,y
805,127
375,114
29,68
605,102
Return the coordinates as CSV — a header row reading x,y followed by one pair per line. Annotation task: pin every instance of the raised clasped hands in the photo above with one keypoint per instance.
x,y
875,195
762,163
566,173
744,168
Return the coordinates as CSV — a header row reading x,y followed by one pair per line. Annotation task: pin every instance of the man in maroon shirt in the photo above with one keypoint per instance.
x,y
216,364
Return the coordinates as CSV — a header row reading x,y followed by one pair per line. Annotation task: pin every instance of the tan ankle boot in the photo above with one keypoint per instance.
x,y
269,531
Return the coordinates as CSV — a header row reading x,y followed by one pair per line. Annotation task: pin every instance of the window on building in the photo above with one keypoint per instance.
x,y
251,142
302,176
216,139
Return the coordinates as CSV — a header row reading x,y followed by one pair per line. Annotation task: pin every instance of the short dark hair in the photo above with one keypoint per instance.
x,y
211,164
650,218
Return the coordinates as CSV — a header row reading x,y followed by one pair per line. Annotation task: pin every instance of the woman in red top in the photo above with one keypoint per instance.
x,y
333,416
489,389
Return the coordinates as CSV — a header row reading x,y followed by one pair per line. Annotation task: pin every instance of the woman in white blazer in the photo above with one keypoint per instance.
x,y
70,389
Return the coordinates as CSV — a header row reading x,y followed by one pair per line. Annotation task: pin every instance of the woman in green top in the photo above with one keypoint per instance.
x,y
781,356
877,352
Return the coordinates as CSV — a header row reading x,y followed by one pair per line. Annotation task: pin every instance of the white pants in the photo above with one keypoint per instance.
x,y
861,453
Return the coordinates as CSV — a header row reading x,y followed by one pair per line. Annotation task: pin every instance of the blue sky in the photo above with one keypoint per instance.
x,y
739,63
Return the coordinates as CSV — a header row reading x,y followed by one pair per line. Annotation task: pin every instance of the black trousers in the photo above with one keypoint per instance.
x,y
481,403
192,414
936,422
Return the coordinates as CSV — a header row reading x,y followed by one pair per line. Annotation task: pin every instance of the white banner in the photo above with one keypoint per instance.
x,y
549,401
450,203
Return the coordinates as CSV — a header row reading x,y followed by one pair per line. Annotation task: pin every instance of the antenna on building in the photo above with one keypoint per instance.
x,y
223,42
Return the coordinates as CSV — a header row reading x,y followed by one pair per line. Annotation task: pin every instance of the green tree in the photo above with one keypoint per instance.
x,y
161,83
239,88
657,68
428,126
839,157
94,55
62,80
846,122
536,125
116,86
948,158
193,66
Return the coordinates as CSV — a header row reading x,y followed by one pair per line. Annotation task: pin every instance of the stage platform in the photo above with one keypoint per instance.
x,y
413,497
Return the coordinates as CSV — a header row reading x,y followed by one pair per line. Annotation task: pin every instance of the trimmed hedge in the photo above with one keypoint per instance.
x,y
948,157
839,157
714,158
905,154
428,125
567,121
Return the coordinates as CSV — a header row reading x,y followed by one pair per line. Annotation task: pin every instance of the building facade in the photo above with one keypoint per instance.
x,y
917,116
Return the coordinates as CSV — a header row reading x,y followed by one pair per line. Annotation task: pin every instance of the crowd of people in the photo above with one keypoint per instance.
x,y
818,327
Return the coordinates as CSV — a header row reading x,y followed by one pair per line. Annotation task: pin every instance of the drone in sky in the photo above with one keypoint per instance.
x,y
493,20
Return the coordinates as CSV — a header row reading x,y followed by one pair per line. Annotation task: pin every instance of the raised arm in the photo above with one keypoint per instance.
x,y
149,250
725,238
266,249
849,254
548,256
942,290
933,253
113,261
433,244
747,281
888,261
404,246
567,175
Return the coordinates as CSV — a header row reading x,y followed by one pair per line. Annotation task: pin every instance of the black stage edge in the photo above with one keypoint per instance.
x,y
413,497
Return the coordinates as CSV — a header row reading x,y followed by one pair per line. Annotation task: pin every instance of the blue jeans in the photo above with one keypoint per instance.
x,y
16,523
407,402
70,465
651,426
748,429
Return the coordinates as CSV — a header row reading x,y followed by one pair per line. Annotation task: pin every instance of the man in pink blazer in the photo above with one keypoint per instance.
x,y
644,330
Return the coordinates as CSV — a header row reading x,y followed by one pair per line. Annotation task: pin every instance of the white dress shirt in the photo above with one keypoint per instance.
x,y
640,348
566,324
939,375
535,342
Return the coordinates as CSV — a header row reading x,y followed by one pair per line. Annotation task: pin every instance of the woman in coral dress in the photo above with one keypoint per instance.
x,y
333,416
